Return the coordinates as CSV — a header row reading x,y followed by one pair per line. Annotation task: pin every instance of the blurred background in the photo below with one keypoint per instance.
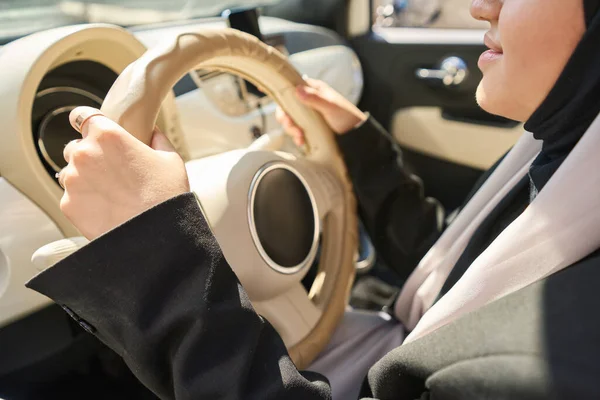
x,y
21,17
424,13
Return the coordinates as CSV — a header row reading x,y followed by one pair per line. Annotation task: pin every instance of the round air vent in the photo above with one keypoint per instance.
x,y
78,83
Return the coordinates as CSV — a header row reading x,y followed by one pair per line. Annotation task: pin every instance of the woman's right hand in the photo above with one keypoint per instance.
x,y
339,113
112,177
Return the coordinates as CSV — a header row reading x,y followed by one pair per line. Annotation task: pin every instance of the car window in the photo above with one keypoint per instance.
x,y
425,13
21,17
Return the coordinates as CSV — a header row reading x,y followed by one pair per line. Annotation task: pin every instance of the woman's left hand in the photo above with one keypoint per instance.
x,y
112,177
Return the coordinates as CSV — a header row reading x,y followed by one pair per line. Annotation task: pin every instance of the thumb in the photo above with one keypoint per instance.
x,y
313,98
160,141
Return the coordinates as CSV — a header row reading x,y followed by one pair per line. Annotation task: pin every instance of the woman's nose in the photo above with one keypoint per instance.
x,y
486,10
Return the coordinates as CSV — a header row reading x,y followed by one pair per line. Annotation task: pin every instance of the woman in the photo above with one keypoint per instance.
x,y
507,311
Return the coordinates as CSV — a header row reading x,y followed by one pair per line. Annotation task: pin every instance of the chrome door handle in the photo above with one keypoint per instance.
x,y
452,72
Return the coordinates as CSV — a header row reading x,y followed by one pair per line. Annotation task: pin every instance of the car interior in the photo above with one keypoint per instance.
x,y
211,74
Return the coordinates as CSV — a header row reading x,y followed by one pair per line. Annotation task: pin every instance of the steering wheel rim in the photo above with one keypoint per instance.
x,y
134,102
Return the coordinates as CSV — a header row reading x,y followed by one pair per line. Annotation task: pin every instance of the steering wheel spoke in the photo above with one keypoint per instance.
x,y
327,188
270,141
292,314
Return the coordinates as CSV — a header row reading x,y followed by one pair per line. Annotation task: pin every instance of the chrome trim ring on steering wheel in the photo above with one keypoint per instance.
x,y
308,260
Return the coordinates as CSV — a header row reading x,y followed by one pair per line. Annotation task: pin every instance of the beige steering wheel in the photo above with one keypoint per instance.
x,y
228,185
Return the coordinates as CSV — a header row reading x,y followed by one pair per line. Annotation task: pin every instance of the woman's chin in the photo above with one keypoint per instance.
x,y
492,99
491,94
483,99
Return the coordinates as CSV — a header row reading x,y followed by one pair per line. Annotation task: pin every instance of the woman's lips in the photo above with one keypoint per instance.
x,y
493,54
488,57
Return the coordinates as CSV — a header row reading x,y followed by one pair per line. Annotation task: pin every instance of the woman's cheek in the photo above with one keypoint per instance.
x,y
535,51
515,85
518,62
535,54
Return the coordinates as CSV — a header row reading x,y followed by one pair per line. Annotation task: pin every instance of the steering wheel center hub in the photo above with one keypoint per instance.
x,y
284,220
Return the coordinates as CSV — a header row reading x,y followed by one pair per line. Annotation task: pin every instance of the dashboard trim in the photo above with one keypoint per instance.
x,y
42,130
73,90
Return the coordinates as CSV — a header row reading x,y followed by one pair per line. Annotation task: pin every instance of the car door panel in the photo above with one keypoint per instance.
x,y
425,130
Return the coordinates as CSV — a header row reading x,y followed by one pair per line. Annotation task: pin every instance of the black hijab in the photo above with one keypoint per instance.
x,y
572,105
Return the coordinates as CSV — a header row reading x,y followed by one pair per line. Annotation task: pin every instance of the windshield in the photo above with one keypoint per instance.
x,y
21,17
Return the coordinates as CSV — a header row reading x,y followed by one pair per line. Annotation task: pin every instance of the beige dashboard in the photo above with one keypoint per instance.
x,y
48,73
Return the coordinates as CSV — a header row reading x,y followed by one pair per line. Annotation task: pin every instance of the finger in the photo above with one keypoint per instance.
x,y
161,142
100,128
60,178
80,116
287,122
315,83
290,127
297,135
279,114
313,98
69,149
284,119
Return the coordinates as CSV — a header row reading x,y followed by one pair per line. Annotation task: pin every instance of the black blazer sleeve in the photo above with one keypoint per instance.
x,y
401,221
158,291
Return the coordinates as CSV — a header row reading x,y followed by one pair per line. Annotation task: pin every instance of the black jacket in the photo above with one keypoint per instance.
x,y
158,291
